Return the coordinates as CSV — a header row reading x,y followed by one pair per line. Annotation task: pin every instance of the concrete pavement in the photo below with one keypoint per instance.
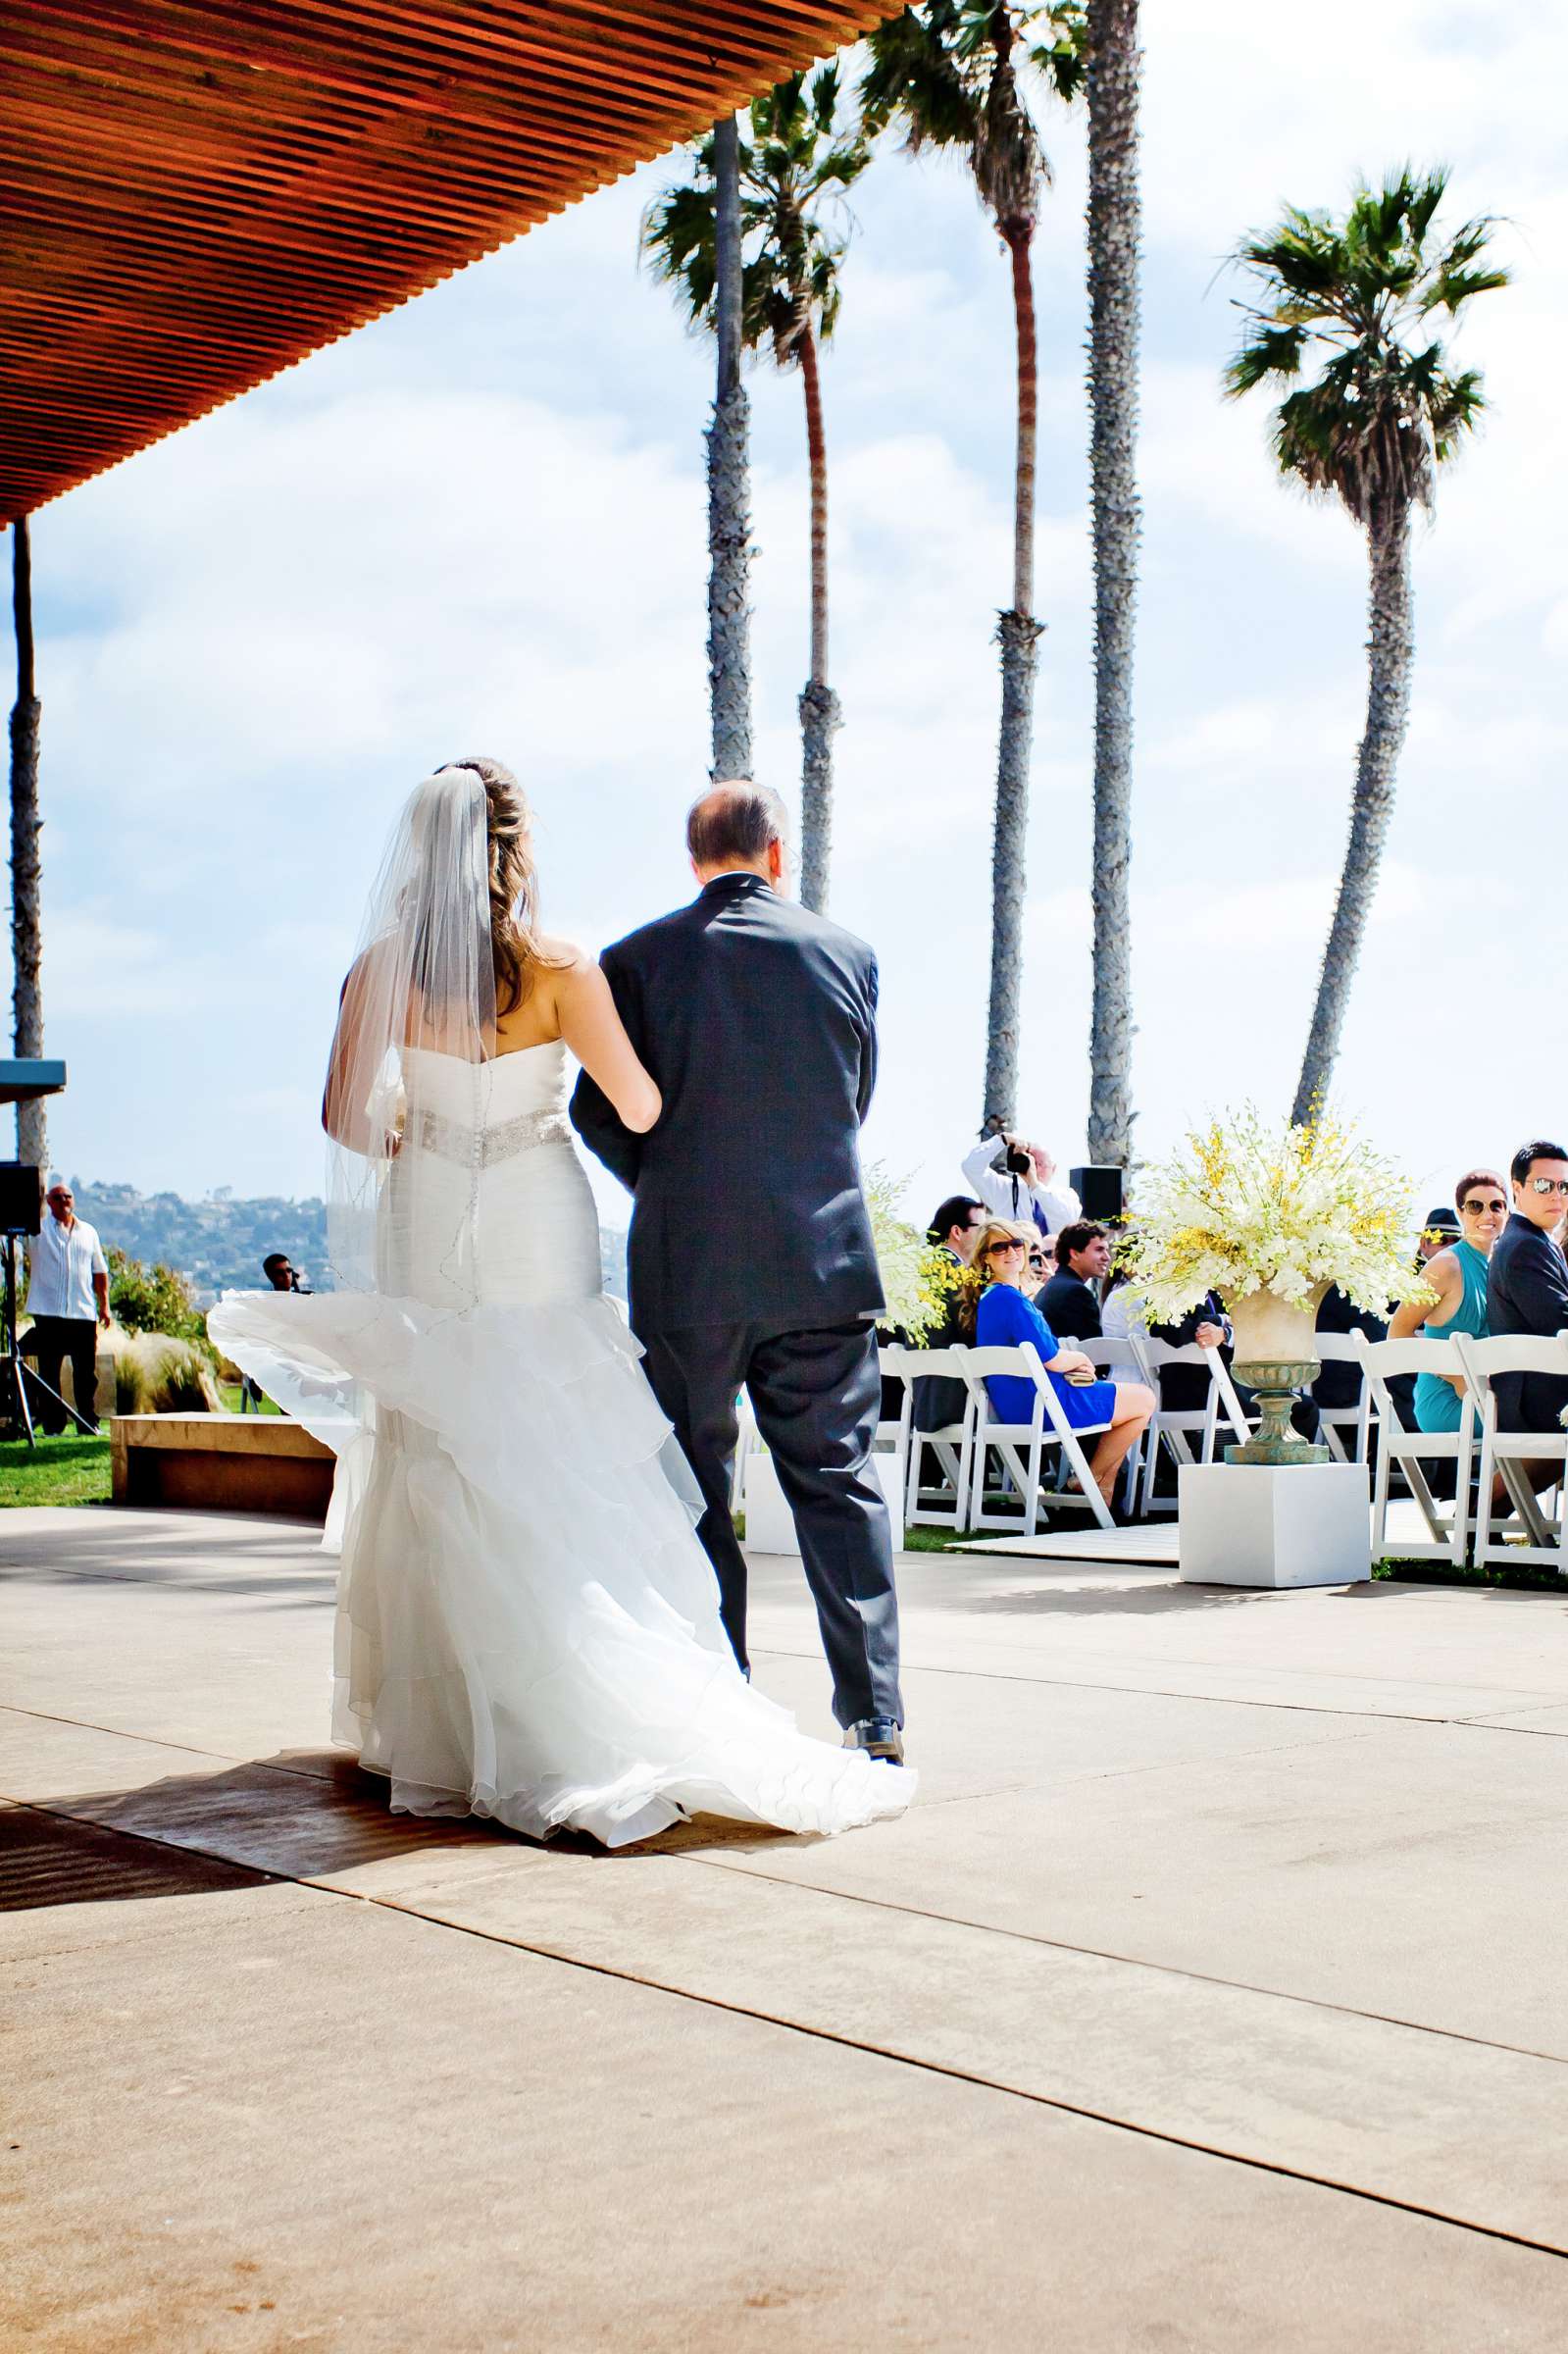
x,y
1212,1996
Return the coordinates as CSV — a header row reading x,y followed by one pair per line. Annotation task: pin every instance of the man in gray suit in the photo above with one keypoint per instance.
x,y
750,1258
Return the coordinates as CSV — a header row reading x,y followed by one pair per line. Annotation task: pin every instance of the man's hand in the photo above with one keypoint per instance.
x,y
1210,1336
105,1320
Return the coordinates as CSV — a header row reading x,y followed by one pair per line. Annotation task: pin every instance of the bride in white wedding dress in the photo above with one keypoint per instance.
x,y
527,1627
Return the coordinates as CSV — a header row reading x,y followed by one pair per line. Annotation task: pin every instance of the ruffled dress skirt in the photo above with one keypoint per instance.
x,y
527,1627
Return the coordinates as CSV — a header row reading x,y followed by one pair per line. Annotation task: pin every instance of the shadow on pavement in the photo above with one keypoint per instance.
x,y
46,1860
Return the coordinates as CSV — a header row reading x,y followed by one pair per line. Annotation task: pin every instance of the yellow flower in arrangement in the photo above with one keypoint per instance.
x,y
1244,1206
917,1279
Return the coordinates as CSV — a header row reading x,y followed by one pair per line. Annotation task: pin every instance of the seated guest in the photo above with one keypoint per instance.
x,y
1071,1303
1439,1233
954,1230
1527,1288
1185,1389
1459,1277
1014,1180
1339,1384
1039,1268
998,1315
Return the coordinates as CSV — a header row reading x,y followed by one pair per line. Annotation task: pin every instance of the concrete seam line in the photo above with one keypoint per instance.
x,y
229,1757
847,1896
854,2043
964,2076
1213,1700
1100,1953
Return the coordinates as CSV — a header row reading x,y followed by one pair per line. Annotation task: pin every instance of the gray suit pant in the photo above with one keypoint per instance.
x,y
816,1396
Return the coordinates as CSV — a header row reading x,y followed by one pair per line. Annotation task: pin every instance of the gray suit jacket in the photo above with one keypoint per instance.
x,y
758,1020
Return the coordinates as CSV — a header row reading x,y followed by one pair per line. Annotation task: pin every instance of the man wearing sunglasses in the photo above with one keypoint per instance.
x,y
1526,1284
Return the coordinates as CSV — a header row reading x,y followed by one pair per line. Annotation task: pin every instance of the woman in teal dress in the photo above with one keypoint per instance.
x,y
1458,1276
996,1313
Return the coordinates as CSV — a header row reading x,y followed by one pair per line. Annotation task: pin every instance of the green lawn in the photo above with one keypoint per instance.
x,y
67,1471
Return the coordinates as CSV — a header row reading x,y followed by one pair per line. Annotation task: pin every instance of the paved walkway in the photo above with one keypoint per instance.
x,y
1213,1996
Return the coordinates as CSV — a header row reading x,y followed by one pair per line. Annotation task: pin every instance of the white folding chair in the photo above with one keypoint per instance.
x,y
897,1363
1410,1450
1346,1429
1503,1453
1176,1427
1118,1360
942,1502
1021,1445
747,1444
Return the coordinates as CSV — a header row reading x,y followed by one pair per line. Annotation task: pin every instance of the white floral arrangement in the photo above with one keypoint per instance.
x,y
917,1279
1244,1205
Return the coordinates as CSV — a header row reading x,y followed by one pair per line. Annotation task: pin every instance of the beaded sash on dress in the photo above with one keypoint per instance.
x,y
452,1140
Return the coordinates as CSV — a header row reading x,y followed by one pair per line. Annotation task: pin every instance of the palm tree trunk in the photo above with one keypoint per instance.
x,y
1114,63
821,717
1391,649
1017,634
27,936
729,484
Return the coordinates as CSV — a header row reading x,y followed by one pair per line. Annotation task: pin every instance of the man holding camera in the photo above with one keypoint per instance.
x,y
68,1296
1014,1180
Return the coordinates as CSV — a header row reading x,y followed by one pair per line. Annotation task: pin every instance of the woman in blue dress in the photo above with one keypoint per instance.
x,y
1458,1276
1000,1316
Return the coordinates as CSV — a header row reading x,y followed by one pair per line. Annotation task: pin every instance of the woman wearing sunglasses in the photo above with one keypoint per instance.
x,y
996,1314
1458,1276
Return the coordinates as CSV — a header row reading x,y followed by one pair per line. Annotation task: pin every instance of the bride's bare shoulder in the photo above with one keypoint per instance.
x,y
560,955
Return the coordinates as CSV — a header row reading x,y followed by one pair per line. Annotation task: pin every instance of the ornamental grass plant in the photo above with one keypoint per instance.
x,y
1246,1205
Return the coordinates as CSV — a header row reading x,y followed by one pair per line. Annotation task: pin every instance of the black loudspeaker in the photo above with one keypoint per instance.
x,y
21,1198
1100,1192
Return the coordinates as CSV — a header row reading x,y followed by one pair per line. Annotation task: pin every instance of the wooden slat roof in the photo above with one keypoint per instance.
x,y
192,197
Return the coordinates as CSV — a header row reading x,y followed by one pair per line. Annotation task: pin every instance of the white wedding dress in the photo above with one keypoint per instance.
x,y
527,1627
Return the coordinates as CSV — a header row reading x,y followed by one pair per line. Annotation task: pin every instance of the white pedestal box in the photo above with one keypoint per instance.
x,y
1274,1525
770,1523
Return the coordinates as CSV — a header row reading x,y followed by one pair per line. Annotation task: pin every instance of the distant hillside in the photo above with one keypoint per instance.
x,y
219,1244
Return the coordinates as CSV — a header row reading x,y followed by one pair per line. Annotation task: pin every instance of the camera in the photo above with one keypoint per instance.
x,y
1017,1161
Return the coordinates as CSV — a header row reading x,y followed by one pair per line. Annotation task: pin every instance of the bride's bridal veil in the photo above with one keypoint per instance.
x,y
423,978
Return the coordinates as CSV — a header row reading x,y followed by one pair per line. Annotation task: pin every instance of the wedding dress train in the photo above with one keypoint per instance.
x,y
527,1627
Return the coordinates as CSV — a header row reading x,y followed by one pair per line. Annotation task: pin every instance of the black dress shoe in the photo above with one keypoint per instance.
x,y
879,1737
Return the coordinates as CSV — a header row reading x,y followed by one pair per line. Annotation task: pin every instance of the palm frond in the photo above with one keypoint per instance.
x,y
1385,410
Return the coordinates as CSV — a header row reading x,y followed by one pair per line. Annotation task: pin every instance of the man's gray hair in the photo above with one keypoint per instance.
x,y
735,820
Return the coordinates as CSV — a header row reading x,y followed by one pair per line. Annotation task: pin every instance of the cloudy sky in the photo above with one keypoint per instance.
x,y
479,526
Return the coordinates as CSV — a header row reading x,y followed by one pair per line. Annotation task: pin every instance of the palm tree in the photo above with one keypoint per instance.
x,y
798,160
1114,218
26,996
951,73
1385,412
729,482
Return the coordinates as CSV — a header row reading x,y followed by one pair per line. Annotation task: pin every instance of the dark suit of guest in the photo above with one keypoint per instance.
x,y
1070,1308
1340,1386
1185,1389
1527,1291
941,1400
750,1257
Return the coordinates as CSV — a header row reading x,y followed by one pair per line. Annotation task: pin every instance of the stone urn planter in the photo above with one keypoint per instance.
x,y
1276,1355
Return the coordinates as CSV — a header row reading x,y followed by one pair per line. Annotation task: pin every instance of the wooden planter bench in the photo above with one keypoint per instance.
x,y
222,1463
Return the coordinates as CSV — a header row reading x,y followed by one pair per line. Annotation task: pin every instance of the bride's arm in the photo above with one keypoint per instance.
x,y
346,1096
596,1036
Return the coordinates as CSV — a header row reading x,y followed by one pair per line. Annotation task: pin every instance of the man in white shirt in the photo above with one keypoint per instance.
x,y
68,1297
1020,1192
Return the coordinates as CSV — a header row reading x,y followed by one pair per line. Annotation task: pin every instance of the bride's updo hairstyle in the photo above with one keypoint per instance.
x,y
513,881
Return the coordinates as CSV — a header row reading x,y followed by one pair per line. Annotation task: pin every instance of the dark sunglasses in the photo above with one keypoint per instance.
x,y
996,1249
1476,1210
1549,1185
